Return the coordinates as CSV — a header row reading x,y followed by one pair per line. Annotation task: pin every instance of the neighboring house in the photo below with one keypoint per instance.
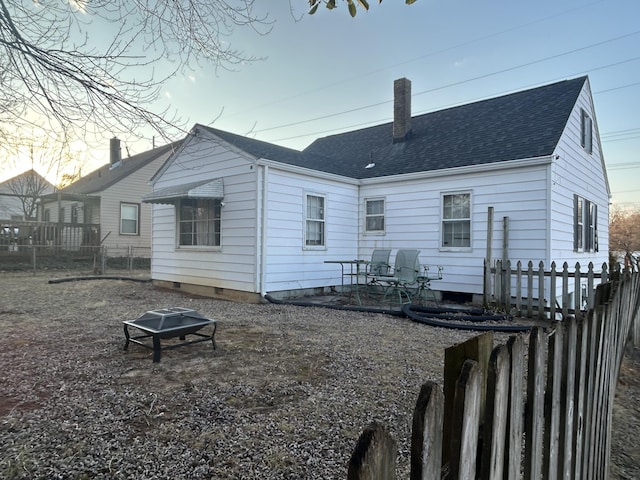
x,y
238,217
19,199
105,207
20,195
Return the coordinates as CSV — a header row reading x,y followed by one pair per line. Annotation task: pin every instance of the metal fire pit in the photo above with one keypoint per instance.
x,y
169,323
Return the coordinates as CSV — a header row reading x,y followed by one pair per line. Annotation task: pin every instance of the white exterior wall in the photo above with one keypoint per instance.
x,y
413,218
577,172
288,264
233,265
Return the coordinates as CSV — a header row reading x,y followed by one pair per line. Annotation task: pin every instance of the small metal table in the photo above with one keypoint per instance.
x,y
353,272
169,323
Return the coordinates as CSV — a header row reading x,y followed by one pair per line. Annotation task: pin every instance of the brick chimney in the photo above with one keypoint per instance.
x,y
401,109
115,155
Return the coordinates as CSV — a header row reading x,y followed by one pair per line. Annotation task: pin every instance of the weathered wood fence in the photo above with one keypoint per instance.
x,y
530,291
501,416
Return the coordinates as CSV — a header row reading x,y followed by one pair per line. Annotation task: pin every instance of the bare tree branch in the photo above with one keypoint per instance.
x,y
91,67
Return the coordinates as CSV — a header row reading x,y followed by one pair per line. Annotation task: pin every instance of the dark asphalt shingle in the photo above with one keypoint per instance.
x,y
519,125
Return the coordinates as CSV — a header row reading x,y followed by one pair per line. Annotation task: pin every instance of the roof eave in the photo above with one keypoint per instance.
x,y
467,169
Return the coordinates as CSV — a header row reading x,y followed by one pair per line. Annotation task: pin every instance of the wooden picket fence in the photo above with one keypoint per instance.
x,y
533,292
501,416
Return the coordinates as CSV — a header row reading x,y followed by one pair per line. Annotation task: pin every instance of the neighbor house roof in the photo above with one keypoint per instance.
x,y
525,124
105,176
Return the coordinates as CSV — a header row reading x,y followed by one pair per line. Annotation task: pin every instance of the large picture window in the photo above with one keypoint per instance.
x,y
374,215
129,218
585,225
315,221
199,223
456,220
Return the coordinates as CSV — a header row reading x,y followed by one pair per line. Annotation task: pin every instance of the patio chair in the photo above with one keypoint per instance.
x,y
379,264
378,267
405,275
424,284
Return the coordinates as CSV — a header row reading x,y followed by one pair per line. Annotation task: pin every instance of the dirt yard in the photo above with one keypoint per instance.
x,y
284,396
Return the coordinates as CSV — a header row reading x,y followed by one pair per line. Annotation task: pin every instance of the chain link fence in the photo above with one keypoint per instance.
x,y
97,260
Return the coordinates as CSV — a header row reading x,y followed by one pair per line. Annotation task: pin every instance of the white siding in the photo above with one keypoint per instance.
x,y
413,220
576,171
289,266
234,264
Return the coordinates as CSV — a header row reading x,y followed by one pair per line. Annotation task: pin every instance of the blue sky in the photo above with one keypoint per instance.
x,y
328,73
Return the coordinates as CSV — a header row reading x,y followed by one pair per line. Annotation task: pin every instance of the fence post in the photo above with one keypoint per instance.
x,y
486,296
541,313
552,404
478,349
519,288
513,447
530,289
568,407
496,415
374,457
499,284
466,422
565,290
535,405
577,298
552,292
590,286
507,286
426,434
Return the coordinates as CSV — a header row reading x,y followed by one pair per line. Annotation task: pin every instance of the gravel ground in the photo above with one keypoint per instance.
x,y
284,396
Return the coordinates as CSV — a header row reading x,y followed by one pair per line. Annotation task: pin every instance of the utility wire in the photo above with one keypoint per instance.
x,y
415,59
461,82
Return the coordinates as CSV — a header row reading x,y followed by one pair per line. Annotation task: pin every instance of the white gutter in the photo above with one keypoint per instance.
x,y
445,172
306,171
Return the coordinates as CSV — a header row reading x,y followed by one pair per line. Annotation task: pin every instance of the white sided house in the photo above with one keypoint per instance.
x,y
240,218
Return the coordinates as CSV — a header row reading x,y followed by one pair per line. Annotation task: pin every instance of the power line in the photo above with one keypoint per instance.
x,y
415,59
479,77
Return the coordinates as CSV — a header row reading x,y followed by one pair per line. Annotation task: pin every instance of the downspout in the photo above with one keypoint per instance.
x,y
263,233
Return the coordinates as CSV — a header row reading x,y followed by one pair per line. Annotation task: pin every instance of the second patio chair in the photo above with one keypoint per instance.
x,y
405,274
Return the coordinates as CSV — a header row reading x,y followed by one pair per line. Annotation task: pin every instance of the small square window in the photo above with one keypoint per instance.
x,y
374,215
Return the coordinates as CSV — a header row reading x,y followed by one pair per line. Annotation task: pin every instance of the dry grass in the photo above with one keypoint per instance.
x,y
285,395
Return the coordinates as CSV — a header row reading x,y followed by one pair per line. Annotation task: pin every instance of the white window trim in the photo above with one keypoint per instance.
x,y
384,216
199,248
442,247
585,226
305,219
130,204
586,131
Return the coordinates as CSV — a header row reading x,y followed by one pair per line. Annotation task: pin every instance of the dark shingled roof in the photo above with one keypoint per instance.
x,y
525,124
104,177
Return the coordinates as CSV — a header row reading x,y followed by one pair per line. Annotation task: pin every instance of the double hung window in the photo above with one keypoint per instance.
x,y
456,221
129,218
199,222
314,221
585,225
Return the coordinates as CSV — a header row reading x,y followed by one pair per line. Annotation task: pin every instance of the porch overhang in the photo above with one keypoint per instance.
x,y
208,189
